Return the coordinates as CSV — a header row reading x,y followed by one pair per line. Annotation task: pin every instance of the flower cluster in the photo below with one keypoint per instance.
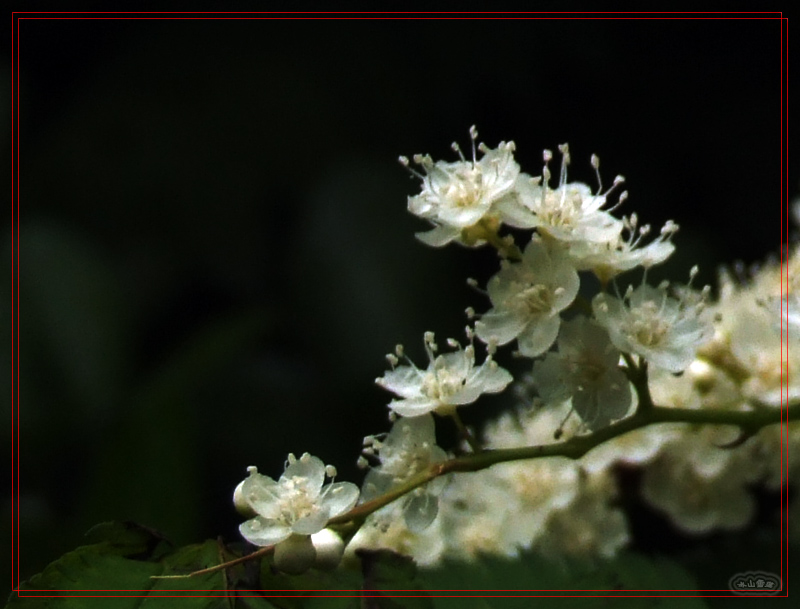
x,y
592,361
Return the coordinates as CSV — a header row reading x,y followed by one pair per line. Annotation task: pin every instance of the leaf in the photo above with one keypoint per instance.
x,y
119,567
516,581
313,589
390,581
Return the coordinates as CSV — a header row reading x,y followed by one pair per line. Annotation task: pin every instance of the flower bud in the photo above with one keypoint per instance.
x,y
329,547
240,503
295,555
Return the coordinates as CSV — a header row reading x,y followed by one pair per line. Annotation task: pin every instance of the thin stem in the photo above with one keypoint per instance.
x,y
637,374
265,551
464,433
576,447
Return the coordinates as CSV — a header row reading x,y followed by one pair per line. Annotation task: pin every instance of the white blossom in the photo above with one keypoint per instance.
x,y
297,504
700,486
407,450
748,331
450,380
387,529
607,259
528,297
570,212
585,369
648,321
458,195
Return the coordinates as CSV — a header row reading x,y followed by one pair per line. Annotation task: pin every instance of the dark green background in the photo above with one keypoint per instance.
x,y
215,252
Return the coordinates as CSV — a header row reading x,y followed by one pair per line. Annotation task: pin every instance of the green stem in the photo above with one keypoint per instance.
x,y
464,433
574,448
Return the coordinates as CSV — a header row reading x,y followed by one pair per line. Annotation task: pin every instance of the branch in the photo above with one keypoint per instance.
x,y
574,448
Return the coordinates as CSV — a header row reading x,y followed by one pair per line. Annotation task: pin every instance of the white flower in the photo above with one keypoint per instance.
x,y
666,331
528,297
700,486
749,332
387,529
585,369
297,504
569,212
458,195
407,450
607,259
450,380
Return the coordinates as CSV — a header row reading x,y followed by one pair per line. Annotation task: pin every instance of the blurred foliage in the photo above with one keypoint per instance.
x,y
126,557
214,249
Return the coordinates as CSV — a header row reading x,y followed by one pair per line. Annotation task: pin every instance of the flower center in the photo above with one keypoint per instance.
x,y
647,327
465,189
536,299
441,383
560,209
295,502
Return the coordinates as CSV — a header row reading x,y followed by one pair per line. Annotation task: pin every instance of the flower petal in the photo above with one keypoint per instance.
x,y
307,472
264,531
539,336
420,511
403,381
413,407
338,497
503,327
262,494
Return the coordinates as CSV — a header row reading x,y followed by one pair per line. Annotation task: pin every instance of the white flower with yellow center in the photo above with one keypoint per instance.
x,y
528,297
296,505
666,331
407,450
569,212
607,259
451,380
458,195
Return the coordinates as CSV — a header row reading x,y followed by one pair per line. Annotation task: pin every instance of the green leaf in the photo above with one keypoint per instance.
x,y
518,580
119,566
387,581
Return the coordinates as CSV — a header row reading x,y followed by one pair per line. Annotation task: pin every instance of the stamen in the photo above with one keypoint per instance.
x,y
473,134
456,148
595,161
404,162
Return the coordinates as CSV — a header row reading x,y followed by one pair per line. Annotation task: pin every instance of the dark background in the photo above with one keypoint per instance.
x,y
215,252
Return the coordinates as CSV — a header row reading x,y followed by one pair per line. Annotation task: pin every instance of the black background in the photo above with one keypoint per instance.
x,y
214,248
